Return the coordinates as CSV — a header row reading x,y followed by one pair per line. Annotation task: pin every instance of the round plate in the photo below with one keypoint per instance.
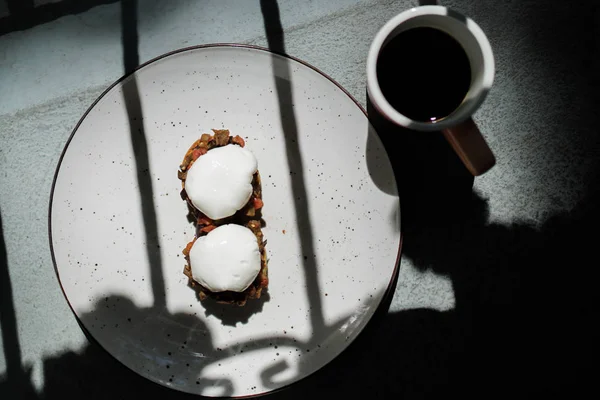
x,y
118,224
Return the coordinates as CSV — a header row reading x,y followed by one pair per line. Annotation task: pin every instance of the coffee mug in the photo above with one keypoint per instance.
x,y
429,69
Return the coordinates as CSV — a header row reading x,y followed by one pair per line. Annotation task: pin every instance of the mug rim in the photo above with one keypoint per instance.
x,y
465,110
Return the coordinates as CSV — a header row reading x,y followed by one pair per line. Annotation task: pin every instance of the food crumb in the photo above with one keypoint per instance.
x,y
283,231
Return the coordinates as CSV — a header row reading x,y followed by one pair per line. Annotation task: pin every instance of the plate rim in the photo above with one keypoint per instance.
x,y
395,273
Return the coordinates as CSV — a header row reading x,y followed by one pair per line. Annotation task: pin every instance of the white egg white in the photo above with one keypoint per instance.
x,y
219,183
226,259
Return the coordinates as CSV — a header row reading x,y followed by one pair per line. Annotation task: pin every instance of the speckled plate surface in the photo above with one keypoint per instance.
x,y
118,224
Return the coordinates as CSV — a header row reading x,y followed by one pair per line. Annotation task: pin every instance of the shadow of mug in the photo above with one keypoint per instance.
x,y
433,183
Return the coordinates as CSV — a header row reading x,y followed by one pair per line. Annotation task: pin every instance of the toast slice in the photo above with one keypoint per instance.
x,y
250,216
253,291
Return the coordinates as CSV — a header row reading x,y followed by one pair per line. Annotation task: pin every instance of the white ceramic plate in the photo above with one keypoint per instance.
x,y
118,224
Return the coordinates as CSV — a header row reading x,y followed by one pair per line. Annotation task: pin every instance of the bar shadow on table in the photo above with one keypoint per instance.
x,y
23,14
18,376
282,75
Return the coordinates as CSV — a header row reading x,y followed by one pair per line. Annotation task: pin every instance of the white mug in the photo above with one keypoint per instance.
x,y
458,127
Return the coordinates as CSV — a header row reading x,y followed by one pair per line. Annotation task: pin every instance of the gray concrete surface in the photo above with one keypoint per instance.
x,y
498,300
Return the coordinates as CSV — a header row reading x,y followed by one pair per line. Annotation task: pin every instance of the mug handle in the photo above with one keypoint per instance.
x,y
470,146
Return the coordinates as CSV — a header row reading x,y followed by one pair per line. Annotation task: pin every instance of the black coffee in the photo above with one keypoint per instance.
x,y
424,74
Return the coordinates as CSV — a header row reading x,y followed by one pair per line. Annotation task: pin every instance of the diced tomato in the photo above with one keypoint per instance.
x,y
198,152
187,249
258,203
204,221
238,140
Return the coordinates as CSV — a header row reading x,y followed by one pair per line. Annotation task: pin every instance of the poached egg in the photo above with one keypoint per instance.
x,y
226,259
219,183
